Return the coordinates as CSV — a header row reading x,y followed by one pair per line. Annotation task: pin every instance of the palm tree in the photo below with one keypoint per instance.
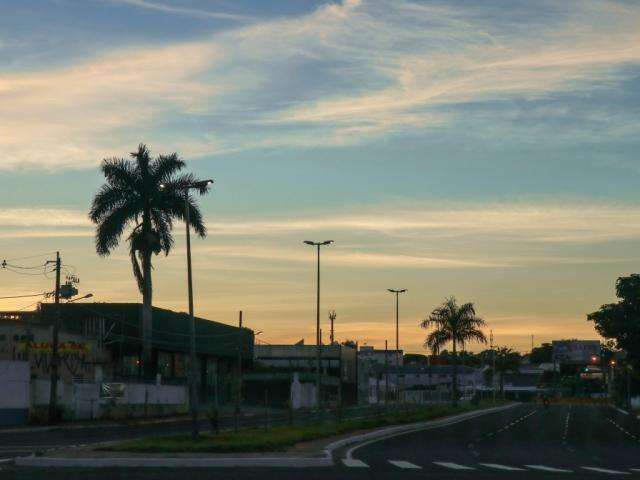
x,y
143,196
453,323
506,361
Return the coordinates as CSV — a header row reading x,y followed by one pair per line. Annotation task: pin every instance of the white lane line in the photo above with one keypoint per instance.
x,y
497,466
544,468
624,412
635,469
354,463
403,464
454,466
6,460
606,470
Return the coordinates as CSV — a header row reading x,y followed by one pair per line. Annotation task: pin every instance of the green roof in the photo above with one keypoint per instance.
x,y
170,330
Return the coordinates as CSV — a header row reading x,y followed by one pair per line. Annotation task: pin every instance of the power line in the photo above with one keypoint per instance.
x,y
25,296
46,254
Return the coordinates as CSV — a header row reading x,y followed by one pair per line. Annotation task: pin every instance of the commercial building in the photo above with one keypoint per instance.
x,y
101,343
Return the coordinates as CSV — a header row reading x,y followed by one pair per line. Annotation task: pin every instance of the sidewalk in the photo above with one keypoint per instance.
x,y
133,422
317,453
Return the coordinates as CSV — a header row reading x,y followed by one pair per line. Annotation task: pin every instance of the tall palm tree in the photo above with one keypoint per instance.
x,y
453,323
133,200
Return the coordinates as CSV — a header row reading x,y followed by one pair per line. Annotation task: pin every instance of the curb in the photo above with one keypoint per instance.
x,y
326,460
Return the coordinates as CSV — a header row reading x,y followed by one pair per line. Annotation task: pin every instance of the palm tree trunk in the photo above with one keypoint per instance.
x,y
454,387
147,313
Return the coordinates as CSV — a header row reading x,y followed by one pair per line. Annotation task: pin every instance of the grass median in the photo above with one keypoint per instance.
x,y
280,437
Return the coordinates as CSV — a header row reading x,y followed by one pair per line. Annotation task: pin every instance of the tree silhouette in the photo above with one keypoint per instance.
x,y
453,323
143,196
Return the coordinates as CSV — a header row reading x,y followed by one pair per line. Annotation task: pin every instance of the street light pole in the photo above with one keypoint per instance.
x,y
397,292
193,367
318,346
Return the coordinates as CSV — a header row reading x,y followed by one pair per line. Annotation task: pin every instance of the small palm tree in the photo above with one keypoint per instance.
x,y
143,196
506,361
453,323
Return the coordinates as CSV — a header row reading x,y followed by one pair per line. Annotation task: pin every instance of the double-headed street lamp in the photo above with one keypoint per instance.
x,y
318,347
193,370
397,292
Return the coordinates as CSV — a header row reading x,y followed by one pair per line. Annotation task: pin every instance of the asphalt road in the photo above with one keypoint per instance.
x,y
527,441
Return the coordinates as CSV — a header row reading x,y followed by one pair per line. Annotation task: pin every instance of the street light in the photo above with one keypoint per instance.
x,y
397,292
318,245
193,370
88,295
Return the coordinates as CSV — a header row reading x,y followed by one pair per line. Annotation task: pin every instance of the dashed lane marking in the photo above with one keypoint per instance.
x,y
566,427
606,470
6,460
403,464
624,412
497,466
623,430
354,463
544,468
505,427
454,466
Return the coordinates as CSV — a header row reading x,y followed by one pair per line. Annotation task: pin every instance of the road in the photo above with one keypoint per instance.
x,y
527,441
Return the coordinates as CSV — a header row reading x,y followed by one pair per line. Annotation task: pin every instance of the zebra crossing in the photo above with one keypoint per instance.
x,y
406,465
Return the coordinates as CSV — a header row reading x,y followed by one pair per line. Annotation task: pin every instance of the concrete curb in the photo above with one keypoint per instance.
x,y
412,427
324,460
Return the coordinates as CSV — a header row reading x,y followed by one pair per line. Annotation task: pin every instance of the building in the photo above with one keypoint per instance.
x,y
100,344
287,364
380,357
421,384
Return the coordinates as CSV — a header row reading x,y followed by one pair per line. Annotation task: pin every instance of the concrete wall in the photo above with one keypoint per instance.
x,y
82,400
15,397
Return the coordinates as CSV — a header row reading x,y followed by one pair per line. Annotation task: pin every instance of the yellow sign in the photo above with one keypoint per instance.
x,y
64,348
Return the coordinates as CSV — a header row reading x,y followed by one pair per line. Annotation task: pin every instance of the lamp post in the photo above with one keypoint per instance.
x,y
193,370
318,347
88,295
397,292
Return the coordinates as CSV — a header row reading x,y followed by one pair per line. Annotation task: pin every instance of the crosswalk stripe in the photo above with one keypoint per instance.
x,y
606,470
455,466
544,468
502,467
354,463
403,464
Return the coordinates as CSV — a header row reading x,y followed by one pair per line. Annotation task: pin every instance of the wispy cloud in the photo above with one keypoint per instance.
x,y
191,12
362,70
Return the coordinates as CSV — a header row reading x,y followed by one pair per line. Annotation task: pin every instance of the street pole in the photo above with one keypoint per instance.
x,y
53,392
193,371
239,390
318,346
386,374
493,368
202,186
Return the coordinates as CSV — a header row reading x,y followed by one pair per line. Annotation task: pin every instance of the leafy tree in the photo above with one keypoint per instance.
x,y
621,321
349,343
133,200
453,323
542,354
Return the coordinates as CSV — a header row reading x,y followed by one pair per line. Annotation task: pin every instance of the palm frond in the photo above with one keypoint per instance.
x,y
164,167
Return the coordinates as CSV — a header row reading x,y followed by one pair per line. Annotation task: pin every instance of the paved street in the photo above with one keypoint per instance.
x,y
527,441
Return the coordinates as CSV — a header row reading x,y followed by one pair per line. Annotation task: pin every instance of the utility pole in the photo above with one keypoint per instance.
x,y
386,374
493,369
397,292
53,393
193,371
239,390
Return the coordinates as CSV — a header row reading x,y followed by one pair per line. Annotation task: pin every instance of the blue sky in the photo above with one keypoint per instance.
x,y
482,149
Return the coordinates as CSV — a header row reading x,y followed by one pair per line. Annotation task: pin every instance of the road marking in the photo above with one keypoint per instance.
x,y
544,468
566,427
624,412
354,463
497,466
506,426
6,460
622,429
606,470
403,464
635,469
454,466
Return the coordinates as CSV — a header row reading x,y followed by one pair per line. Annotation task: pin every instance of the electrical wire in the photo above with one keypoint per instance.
x,y
25,296
46,254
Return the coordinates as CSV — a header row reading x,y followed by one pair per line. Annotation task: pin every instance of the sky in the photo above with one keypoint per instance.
x,y
486,150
